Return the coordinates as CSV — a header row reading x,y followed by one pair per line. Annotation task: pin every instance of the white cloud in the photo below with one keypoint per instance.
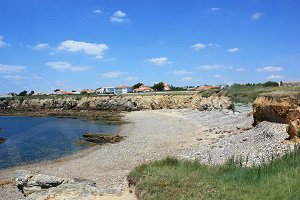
x,y
212,67
275,77
187,78
217,76
2,43
198,46
269,69
131,78
215,9
41,46
240,69
10,69
256,16
98,12
85,47
182,72
158,61
233,50
112,74
34,76
65,66
213,45
119,17
15,77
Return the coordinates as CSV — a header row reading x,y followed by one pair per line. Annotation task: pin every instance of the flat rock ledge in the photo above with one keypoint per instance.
x,y
41,186
102,138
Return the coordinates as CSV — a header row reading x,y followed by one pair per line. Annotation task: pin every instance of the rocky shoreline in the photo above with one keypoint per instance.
x,y
206,136
111,117
135,102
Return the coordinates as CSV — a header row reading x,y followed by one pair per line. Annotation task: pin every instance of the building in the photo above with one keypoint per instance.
x,y
205,87
143,88
123,89
5,95
59,91
105,90
167,87
188,87
289,84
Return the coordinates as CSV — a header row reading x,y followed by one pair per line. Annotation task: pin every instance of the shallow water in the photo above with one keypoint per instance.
x,y
43,138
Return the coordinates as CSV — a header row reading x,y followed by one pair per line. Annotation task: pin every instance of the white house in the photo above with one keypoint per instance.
x,y
123,89
105,90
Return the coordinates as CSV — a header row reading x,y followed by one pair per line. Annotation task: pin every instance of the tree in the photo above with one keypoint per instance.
x,y
159,86
137,85
56,90
271,84
174,88
31,93
23,93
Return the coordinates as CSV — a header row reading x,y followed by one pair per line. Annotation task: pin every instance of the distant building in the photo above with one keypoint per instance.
x,y
59,92
105,90
5,95
143,88
223,86
123,89
206,87
289,84
167,87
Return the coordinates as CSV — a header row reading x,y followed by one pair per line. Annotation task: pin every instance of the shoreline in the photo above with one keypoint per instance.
x,y
156,134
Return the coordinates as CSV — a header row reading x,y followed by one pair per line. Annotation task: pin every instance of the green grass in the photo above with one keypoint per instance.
x,y
173,179
248,94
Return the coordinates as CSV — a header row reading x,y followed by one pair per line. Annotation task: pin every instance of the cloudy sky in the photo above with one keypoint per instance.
x,y
68,44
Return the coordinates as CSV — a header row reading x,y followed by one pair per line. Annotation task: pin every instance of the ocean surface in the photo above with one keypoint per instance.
x,y
31,139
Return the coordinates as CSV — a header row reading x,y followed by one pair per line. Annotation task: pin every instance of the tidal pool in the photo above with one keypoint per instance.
x,y
31,139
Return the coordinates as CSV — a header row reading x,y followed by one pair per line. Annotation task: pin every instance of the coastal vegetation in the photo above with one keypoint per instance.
x,y
174,179
247,93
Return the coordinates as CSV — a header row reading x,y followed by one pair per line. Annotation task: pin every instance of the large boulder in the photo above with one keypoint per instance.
x,y
42,186
29,182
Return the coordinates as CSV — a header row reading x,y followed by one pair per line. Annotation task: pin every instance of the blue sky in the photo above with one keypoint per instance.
x,y
73,44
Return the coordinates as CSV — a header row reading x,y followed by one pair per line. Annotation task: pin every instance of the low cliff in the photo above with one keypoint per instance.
x,y
281,108
119,103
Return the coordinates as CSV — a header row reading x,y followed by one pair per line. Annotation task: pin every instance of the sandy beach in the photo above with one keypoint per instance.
x,y
152,135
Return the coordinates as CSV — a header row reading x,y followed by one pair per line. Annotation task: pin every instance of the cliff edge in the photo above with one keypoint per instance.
x,y
280,108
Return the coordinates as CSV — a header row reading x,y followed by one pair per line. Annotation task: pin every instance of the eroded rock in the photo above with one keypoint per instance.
x,y
280,109
42,186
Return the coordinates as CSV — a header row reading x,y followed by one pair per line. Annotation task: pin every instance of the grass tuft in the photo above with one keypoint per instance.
x,y
174,179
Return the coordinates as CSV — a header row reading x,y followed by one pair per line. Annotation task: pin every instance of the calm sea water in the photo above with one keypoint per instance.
x,y
42,138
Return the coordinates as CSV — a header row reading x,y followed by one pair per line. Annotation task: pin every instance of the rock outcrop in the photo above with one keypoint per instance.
x,y
102,138
42,186
280,109
120,103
